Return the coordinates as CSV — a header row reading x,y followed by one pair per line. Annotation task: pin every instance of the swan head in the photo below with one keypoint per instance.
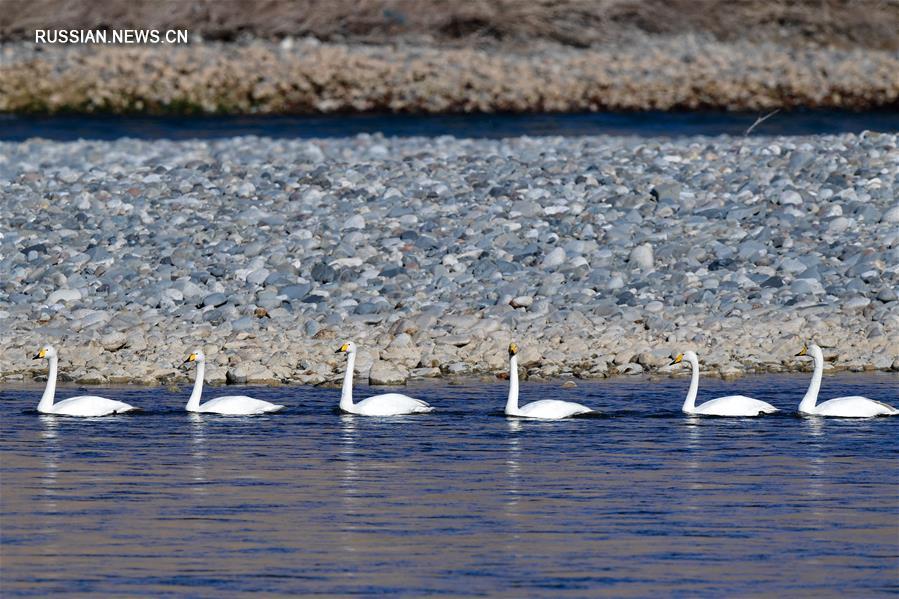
x,y
513,349
347,348
688,357
196,356
48,351
811,350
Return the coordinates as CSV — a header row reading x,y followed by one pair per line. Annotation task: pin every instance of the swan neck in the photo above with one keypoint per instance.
x,y
811,396
512,402
346,393
690,401
193,404
50,390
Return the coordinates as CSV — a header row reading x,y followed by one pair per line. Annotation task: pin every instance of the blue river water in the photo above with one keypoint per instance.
x,y
647,124
641,501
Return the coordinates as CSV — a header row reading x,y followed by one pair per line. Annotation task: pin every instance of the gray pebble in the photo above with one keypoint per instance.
x,y
450,248
214,299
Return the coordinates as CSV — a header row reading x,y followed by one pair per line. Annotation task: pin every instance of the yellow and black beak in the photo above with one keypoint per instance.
x,y
677,360
343,348
803,351
41,354
513,349
190,358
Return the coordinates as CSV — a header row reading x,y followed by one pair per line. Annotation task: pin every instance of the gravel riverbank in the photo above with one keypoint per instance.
x,y
599,256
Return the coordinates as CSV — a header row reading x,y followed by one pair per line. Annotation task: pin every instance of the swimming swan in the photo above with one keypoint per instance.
x,y
853,406
388,404
731,405
547,409
83,405
228,405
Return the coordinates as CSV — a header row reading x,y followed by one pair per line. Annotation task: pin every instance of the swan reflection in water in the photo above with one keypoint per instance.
x,y
198,452
511,502
513,467
51,455
814,465
693,473
49,484
349,482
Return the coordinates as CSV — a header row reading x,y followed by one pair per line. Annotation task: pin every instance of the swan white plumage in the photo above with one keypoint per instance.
x,y
547,409
731,405
387,404
227,405
853,406
83,405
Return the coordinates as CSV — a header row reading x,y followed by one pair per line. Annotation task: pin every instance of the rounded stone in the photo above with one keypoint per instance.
x,y
354,222
522,301
63,296
642,257
215,300
654,307
553,259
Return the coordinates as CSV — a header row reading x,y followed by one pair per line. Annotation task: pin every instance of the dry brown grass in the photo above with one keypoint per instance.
x,y
845,23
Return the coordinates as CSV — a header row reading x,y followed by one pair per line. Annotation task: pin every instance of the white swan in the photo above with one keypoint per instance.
x,y
83,405
228,405
547,409
731,405
387,404
853,406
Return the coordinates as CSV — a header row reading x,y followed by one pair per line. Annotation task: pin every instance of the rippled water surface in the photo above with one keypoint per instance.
x,y
462,501
647,124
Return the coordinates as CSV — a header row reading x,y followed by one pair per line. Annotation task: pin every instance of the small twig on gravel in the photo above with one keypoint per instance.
x,y
761,120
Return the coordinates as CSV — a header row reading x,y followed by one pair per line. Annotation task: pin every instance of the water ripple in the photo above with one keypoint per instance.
x,y
639,501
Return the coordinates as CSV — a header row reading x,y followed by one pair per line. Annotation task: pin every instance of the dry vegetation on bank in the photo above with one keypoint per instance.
x,y
857,23
440,56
